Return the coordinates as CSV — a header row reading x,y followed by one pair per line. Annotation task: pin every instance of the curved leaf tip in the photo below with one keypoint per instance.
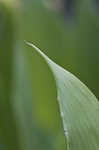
x,y
78,106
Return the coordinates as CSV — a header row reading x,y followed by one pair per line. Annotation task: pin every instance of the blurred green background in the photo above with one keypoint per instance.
x,y
68,32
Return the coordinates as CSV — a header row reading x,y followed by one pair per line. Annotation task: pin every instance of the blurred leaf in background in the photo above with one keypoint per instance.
x,y
8,132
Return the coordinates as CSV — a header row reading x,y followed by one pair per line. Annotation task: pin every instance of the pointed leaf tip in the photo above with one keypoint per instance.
x,y
78,106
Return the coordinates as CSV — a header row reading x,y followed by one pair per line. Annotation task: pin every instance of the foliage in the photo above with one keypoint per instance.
x,y
78,107
29,113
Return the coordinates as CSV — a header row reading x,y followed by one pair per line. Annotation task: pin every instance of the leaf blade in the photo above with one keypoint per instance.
x,y
78,106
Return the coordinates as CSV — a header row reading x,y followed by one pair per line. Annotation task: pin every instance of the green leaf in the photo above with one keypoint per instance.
x,y
79,108
8,128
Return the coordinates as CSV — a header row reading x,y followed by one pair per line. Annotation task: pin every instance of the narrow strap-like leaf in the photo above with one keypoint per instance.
x,y
79,108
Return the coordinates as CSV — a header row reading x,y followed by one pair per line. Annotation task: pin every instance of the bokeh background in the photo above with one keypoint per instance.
x,y
65,30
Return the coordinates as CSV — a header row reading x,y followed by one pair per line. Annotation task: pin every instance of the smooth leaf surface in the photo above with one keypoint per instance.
x,y
79,108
